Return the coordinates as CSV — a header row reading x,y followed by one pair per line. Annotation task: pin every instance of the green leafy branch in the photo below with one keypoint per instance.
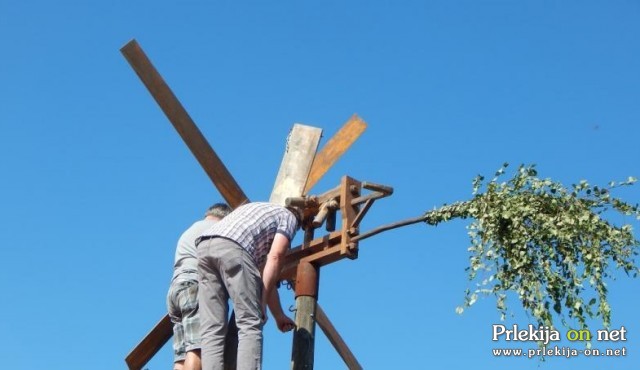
x,y
544,242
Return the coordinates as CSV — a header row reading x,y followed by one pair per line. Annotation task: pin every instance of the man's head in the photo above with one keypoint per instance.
x,y
218,211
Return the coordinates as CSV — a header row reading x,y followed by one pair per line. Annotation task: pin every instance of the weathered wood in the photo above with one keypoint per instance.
x,y
302,145
336,340
182,122
150,345
334,149
304,334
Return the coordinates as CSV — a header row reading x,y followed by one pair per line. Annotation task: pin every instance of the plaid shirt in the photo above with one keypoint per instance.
x,y
253,226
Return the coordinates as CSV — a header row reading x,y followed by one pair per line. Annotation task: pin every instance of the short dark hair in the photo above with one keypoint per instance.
x,y
219,210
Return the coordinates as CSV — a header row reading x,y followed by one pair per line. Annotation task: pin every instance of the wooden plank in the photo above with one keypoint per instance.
x,y
334,149
182,122
336,340
302,145
151,344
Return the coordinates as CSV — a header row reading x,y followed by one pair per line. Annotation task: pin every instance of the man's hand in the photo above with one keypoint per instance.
x,y
284,323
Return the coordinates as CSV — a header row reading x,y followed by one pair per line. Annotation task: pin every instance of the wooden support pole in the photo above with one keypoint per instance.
x,y
150,345
336,340
306,299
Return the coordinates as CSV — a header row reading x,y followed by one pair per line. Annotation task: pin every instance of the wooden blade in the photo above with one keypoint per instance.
x,y
302,145
334,149
336,340
191,135
151,344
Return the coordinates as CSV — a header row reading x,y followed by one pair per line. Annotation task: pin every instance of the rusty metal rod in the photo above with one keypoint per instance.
x,y
391,226
364,198
360,215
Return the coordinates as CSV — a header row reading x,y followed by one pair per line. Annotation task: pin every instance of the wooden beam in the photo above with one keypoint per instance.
x,y
182,122
150,345
334,149
336,340
302,145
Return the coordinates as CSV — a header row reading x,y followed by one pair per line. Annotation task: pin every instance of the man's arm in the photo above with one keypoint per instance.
x,y
283,322
270,275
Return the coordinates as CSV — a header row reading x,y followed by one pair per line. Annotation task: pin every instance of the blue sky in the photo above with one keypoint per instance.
x,y
97,186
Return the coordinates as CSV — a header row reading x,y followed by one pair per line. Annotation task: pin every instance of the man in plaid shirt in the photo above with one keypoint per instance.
x,y
229,256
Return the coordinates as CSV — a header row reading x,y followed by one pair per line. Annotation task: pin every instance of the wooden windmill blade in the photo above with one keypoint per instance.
x,y
222,179
299,155
150,344
336,340
334,149
180,119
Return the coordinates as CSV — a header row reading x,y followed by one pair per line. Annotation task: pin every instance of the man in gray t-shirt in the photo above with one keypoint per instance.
x,y
182,298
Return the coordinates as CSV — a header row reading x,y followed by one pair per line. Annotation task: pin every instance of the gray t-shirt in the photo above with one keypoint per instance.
x,y
185,267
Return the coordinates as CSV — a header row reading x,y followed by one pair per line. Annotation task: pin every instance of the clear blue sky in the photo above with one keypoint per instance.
x,y
97,186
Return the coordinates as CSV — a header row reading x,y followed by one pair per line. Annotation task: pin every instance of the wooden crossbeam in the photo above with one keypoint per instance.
x,y
182,122
336,340
150,345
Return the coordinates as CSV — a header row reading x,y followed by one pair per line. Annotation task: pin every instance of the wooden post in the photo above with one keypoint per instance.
x,y
304,334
